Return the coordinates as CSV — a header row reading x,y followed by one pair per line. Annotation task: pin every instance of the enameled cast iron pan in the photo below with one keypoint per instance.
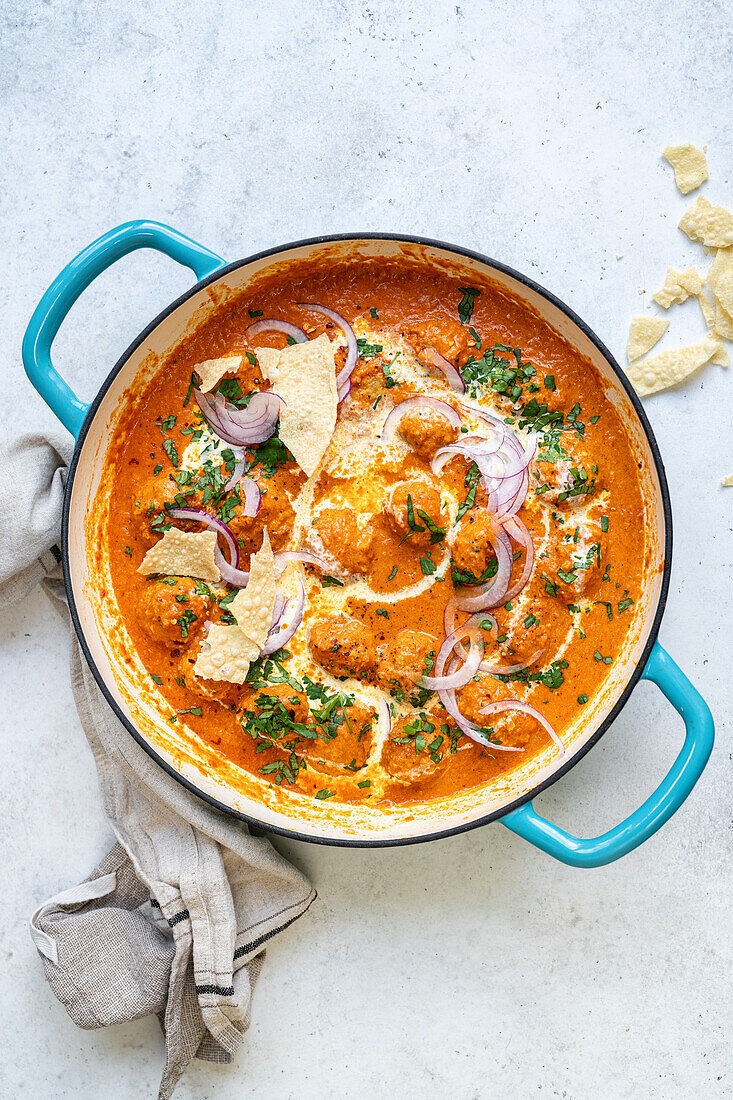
x,y
509,800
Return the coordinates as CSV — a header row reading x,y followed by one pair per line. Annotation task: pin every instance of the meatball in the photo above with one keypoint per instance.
x,y
343,646
427,431
276,514
221,691
576,561
172,613
343,539
268,702
347,744
153,493
511,727
565,478
472,548
410,655
415,750
406,501
445,334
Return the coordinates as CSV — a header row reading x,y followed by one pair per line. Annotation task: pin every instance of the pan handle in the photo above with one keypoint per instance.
x,y
73,280
659,807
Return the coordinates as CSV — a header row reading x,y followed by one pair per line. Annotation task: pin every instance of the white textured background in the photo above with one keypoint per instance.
x,y
475,967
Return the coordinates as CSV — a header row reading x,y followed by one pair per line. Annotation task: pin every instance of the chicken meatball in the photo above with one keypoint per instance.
x,y
281,704
510,727
276,514
406,501
171,613
410,655
346,740
343,646
415,749
472,548
427,431
343,539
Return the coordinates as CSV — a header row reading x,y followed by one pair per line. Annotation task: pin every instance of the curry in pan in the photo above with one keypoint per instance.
x,y
373,534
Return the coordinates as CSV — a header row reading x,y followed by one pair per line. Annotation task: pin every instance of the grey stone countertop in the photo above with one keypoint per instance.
x,y
474,966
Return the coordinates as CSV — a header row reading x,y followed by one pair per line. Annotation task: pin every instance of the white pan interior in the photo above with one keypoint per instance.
x,y
135,699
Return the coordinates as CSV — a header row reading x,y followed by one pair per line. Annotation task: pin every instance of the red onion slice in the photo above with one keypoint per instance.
x,y
284,556
495,593
269,324
197,516
524,708
461,676
442,407
241,427
237,578
385,714
520,534
343,390
447,697
236,472
284,630
343,324
252,497
452,374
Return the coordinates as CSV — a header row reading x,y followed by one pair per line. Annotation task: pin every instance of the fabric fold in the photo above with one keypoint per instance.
x,y
176,917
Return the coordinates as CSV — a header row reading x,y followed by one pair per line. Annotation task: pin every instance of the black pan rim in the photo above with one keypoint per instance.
x,y
496,815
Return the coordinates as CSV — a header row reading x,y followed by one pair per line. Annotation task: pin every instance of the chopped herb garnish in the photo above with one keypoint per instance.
x,y
604,523
467,302
389,381
549,381
476,337
191,710
608,607
531,620
582,699
367,350
157,679
255,312
331,582
156,470
191,385
374,313
128,551
170,449
185,621
428,566
393,574
325,793
383,611
624,605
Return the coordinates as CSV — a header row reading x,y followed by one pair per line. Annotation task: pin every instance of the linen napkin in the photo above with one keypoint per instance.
x,y
175,918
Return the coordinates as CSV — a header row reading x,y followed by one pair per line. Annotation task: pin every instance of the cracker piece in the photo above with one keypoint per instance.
x,y
183,554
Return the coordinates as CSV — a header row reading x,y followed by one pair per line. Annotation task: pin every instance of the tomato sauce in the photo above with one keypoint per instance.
x,y
400,539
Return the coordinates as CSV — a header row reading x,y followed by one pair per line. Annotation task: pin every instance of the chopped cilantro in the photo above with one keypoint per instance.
x,y
383,611
128,551
367,350
476,337
325,793
604,523
389,381
157,679
185,621
255,312
624,605
170,449
467,302
393,574
428,566
374,313
582,699
331,582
